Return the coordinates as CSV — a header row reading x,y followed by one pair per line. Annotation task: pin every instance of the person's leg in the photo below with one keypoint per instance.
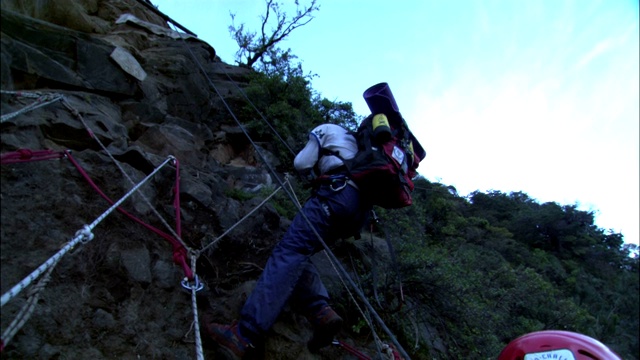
x,y
309,295
332,214
275,285
283,270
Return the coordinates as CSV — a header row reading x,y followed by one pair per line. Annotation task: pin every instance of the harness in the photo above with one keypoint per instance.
x,y
337,178
337,182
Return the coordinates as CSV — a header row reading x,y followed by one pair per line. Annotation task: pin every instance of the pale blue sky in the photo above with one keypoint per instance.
x,y
514,95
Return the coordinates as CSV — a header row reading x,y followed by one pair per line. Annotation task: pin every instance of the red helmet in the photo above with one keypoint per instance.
x,y
556,344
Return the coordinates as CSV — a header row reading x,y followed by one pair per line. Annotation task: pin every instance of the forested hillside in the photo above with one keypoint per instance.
x,y
493,266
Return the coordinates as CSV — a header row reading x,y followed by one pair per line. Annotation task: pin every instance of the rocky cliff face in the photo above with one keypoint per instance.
x,y
122,92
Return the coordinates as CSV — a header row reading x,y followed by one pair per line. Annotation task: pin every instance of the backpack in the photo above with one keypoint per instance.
x,y
386,162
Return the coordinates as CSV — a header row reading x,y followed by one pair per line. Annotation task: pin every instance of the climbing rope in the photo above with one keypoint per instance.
x,y
82,236
27,94
243,219
194,304
77,114
85,235
26,155
295,197
244,94
351,350
180,248
27,309
41,100
366,316
375,220
23,155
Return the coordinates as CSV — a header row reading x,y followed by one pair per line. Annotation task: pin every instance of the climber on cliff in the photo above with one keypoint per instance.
x,y
336,210
380,174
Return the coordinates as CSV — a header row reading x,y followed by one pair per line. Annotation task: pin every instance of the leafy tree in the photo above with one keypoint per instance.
x,y
287,101
336,112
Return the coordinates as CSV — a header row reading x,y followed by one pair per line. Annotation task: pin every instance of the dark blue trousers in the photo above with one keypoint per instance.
x,y
289,274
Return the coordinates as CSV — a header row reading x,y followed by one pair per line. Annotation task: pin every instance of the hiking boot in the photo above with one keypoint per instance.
x,y
227,336
326,323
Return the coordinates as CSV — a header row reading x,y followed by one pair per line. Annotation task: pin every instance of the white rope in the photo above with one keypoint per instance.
x,y
27,310
27,94
42,100
84,235
75,112
286,181
117,163
134,189
80,236
199,350
243,219
194,305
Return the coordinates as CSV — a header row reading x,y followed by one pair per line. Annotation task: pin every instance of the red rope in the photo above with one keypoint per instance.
x,y
179,251
26,155
396,355
176,199
352,350
180,254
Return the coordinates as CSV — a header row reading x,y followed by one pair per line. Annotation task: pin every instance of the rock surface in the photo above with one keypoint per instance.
x,y
121,116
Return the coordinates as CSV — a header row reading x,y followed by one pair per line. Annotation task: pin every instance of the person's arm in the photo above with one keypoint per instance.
x,y
307,158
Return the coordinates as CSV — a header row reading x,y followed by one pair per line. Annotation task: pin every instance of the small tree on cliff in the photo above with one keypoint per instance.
x,y
262,48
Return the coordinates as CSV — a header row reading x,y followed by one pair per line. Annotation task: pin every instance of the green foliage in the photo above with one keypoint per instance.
x,y
279,90
357,327
340,113
238,194
495,266
283,204
284,98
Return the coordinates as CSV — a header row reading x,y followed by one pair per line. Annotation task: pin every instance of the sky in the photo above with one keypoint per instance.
x,y
538,96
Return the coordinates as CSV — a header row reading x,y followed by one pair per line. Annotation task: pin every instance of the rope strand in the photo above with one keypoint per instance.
x,y
84,235
194,305
241,220
27,310
117,163
42,100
